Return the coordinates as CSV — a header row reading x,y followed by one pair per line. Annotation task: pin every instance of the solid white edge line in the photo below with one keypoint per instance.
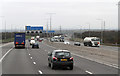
x,y
34,63
88,72
40,72
6,44
111,65
5,54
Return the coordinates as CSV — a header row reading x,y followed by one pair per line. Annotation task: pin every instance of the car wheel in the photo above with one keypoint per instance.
x,y
52,66
49,64
85,44
71,67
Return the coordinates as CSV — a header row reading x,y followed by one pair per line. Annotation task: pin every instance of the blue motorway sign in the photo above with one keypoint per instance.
x,y
34,28
52,31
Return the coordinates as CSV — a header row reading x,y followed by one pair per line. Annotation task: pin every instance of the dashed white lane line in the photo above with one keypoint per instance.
x,y
30,57
5,54
34,63
88,72
29,54
40,72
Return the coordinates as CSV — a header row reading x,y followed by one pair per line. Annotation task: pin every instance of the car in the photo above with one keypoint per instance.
x,y
77,43
66,42
61,58
29,40
40,40
32,42
35,45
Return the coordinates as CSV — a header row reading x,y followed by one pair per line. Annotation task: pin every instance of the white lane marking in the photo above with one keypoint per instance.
x,y
34,63
5,54
29,54
6,44
45,50
50,46
30,57
88,72
40,72
111,65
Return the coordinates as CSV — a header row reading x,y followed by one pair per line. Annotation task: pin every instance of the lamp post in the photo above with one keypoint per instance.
x,y
102,29
5,25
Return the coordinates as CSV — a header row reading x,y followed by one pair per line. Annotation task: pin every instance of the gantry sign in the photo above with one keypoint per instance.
x,y
34,28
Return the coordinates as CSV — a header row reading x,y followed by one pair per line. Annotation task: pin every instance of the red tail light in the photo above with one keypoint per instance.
x,y
54,58
71,58
22,43
16,42
98,42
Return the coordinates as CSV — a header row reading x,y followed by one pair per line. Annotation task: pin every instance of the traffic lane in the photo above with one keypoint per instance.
x,y
5,48
40,56
86,64
18,62
113,48
94,67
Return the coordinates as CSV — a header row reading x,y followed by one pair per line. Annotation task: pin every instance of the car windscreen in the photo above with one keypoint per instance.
x,y
95,39
65,54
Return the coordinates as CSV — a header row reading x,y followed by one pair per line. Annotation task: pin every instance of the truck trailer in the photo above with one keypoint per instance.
x,y
91,41
19,40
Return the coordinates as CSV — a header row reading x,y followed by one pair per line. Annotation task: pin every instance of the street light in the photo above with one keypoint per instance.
x,y
89,28
5,25
80,30
102,29
51,20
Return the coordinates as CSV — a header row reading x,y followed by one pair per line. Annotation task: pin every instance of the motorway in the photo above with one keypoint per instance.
x,y
34,61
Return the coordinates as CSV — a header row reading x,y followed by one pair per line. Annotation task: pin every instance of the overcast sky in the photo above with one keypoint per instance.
x,y
70,14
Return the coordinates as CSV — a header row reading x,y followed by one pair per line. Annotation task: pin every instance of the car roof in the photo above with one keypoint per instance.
x,y
61,50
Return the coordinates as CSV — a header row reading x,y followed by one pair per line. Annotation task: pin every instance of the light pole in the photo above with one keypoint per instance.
x,y
89,28
80,30
5,25
51,20
102,29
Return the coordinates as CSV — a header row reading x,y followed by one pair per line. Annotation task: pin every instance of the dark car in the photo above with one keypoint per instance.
x,y
61,58
35,45
77,43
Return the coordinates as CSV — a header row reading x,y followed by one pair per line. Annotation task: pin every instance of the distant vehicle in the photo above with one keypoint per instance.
x,y
61,38
37,37
61,58
29,40
77,43
56,38
52,39
32,42
41,39
92,41
35,45
19,40
32,38
66,42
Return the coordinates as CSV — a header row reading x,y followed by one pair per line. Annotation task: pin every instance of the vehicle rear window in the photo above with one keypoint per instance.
x,y
62,54
95,39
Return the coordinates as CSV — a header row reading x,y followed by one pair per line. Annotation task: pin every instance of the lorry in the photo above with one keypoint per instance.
x,y
91,41
19,40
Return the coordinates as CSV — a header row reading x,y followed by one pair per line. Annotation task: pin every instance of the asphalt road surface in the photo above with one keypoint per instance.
x,y
34,61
